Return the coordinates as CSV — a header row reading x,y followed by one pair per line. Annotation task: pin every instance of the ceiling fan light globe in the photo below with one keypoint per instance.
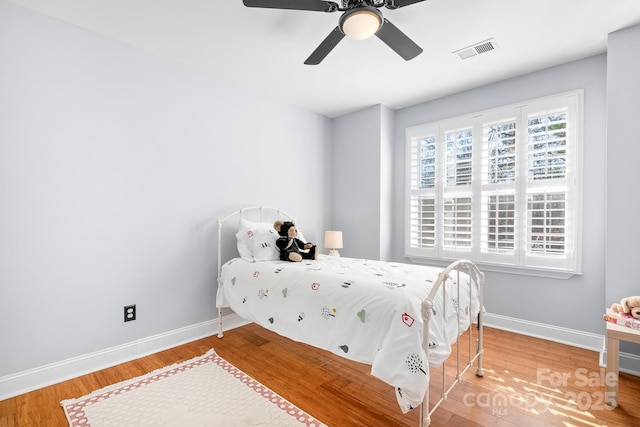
x,y
361,24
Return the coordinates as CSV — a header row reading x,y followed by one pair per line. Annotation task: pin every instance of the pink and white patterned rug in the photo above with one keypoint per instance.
x,y
204,391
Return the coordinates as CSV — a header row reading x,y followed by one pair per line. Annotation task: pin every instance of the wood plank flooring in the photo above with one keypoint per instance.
x,y
527,382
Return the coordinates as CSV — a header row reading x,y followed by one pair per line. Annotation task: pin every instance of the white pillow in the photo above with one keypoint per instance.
x,y
264,245
257,241
244,245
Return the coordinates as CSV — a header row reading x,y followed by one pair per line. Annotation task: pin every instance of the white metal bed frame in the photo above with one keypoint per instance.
x,y
455,267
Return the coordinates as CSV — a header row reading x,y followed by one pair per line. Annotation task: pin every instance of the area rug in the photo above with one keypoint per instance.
x,y
204,391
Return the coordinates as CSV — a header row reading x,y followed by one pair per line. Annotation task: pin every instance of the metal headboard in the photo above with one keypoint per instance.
x,y
263,213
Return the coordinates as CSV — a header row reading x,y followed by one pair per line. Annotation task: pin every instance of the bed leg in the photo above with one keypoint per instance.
x,y
425,415
425,418
480,343
480,371
220,334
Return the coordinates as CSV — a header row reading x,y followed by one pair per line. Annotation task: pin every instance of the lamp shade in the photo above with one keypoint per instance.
x,y
333,241
361,23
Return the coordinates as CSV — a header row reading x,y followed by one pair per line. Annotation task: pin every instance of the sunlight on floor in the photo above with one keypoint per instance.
x,y
568,398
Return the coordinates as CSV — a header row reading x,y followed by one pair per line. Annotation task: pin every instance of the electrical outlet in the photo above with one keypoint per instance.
x,y
129,313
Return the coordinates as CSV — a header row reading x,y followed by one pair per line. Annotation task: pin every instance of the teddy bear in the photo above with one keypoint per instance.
x,y
291,248
629,305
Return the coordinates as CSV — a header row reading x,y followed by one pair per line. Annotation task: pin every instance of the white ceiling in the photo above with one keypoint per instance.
x,y
264,49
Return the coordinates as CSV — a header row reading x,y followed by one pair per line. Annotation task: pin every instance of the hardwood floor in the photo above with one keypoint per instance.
x,y
527,382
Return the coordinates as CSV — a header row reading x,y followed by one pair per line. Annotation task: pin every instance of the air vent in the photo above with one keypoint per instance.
x,y
476,49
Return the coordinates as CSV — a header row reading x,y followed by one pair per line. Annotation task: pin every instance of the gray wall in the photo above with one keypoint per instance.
x,y
362,181
113,166
623,173
356,191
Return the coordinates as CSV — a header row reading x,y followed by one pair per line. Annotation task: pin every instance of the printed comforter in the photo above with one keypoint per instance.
x,y
367,311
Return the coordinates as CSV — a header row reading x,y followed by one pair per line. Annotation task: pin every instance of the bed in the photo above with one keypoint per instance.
x,y
391,316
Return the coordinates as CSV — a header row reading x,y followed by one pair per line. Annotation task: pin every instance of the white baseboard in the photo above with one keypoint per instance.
x,y
33,379
629,363
567,336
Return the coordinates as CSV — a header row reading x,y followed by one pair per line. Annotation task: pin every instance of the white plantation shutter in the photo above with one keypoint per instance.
x,y
499,146
547,145
457,215
546,223
502,187
498,203
457,223
422,210
459,146
423,227
498,234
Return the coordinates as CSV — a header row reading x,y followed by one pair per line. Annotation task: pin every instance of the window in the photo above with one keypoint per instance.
x,y
501,187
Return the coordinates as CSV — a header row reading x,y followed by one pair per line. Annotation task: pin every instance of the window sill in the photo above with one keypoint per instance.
x,y
501,268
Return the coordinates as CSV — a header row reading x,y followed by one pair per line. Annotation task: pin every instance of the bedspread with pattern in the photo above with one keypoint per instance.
x,y
363,310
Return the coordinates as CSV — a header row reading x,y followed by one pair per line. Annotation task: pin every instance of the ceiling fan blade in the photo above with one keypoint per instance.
x,y
325,47
314,5
395,4
398,41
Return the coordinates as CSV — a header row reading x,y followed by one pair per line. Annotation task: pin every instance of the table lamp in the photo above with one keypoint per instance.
x,y
333,240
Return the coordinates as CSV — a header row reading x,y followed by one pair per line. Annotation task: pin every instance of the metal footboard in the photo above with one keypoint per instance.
x,y
474,354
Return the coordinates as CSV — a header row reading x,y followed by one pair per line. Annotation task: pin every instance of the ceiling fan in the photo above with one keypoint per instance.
x,y
360,20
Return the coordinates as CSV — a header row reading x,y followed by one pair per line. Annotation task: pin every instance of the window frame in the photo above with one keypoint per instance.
x,y
520,261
